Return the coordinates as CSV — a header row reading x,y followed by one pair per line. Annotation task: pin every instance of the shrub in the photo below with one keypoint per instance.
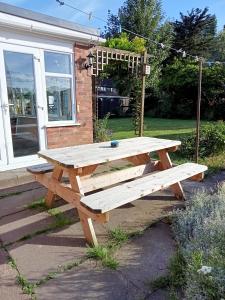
x,y
102,133
212,141
200,233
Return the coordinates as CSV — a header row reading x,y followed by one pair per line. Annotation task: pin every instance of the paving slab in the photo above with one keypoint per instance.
x,y
15,177
141,260
9,290
16,226
29,221
43,254
147,257
35,257
19,188
87,281
14,203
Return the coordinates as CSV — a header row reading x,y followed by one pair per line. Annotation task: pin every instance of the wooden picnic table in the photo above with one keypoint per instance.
x,y
79,163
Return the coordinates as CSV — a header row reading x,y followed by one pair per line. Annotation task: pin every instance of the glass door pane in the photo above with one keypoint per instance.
x,y
21,90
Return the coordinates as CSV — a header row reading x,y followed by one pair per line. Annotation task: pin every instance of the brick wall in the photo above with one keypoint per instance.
x,y
82,134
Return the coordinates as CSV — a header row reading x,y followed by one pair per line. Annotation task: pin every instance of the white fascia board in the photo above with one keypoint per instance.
x,y
21,24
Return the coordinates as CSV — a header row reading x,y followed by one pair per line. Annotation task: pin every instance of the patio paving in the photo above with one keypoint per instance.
x,y
140,260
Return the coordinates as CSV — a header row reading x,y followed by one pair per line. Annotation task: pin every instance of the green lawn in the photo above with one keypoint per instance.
x,y
122,128
164,128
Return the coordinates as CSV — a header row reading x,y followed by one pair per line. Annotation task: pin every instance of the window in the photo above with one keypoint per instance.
x,y
58,74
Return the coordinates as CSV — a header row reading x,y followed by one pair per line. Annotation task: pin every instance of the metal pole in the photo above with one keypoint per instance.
x,y
141,124
198,120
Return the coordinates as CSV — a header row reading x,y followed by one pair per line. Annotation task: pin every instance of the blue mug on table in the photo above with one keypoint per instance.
x,y
114,144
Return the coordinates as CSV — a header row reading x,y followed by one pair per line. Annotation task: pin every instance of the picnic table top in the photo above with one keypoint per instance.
x,y
98,153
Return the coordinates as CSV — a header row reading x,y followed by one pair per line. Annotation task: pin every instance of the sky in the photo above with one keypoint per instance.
x,y
171,9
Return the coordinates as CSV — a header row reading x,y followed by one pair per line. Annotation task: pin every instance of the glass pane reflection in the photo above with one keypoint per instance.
x,y
59,98
22,102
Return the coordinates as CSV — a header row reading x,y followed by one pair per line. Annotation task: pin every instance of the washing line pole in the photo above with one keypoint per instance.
x,y
141,122
198,119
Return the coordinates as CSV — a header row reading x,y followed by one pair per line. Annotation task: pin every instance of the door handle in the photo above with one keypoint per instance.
x,y
6,105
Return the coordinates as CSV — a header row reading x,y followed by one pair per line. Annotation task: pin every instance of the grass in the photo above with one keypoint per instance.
x,y
118,236
174,280
174,129
104,253
27,287
37,204
155,127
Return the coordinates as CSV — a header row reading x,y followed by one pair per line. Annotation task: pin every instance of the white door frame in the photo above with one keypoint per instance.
x,y
8,156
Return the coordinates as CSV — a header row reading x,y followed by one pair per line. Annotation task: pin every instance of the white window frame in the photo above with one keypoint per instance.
x,y
61,75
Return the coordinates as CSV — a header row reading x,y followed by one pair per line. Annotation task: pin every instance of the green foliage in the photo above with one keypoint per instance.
x,y
118,236
112,28
200,233
146,18
175,278
195,32
123,42
40,203
61,219
212,141
27,287
102,133
219,49
103,254
179,87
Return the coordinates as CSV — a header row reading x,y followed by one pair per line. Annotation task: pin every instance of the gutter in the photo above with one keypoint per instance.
x,y
18,24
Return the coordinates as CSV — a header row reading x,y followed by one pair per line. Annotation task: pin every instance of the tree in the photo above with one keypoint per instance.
x,y
145,17
195,32
219,50
112,27
179,90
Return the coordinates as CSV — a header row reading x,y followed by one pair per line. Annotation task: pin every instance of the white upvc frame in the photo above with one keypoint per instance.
x,y
62,75
3,149
39,103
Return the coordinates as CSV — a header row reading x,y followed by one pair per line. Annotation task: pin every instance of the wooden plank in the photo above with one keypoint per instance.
x,y
198,177
104,180
56,176
41,169
98,153
167,164
139,159
88,229
85,219
109,199
66,193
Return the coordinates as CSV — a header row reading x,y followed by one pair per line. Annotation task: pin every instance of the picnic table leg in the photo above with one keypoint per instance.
x,y
86,221
88,229
50,196
167,164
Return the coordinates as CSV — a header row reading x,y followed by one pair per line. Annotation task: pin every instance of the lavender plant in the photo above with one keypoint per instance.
x,y
200,233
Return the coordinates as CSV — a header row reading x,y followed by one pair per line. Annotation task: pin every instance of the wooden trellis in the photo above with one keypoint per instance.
x,y
102,56
136,64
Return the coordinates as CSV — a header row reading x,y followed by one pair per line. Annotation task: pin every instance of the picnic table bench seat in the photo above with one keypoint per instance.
x,y
41,168
109,199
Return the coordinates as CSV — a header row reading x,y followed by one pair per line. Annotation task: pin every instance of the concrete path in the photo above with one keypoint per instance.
x,y
48,251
